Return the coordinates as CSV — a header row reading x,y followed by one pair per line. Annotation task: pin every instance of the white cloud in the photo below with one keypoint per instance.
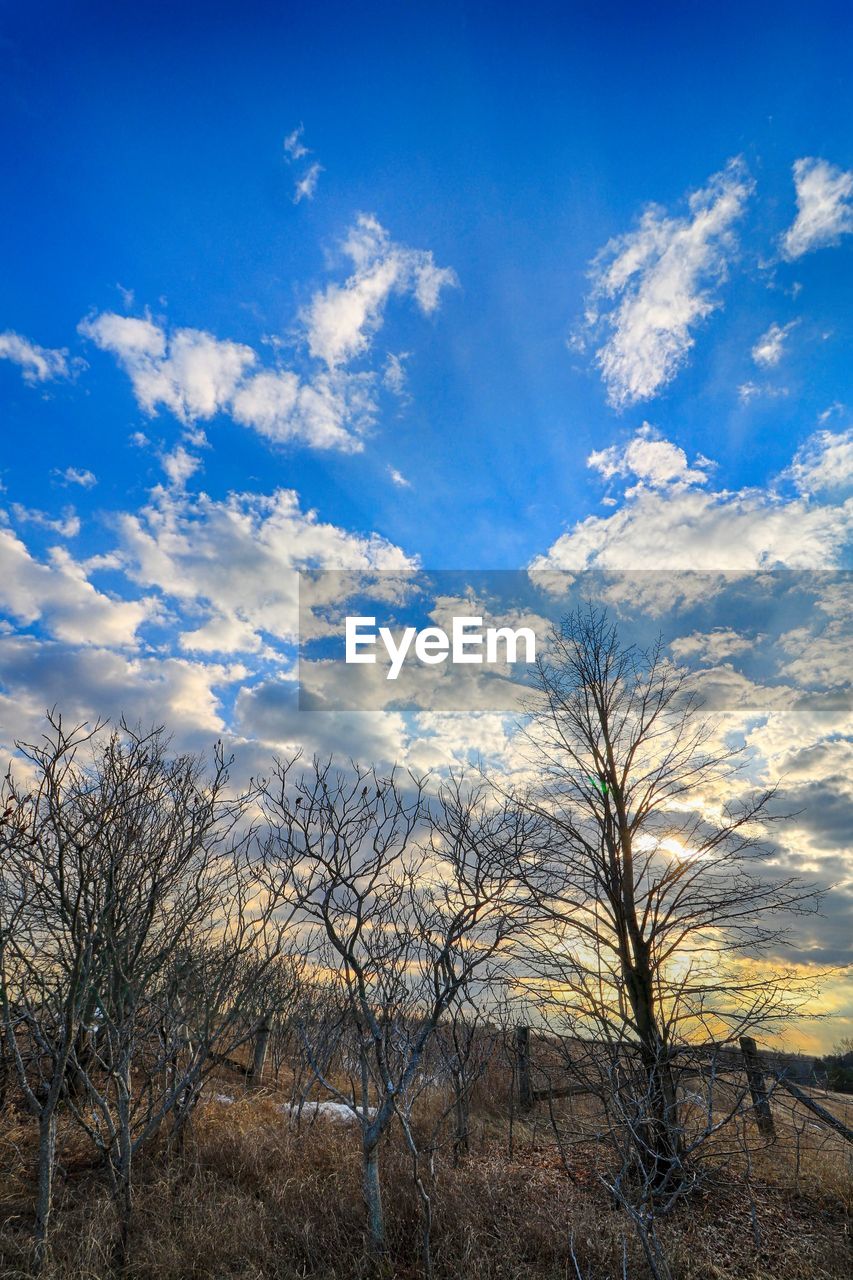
x,y
67,525
398,478
749,390
713,646
180,465
58,595
127,337
37,364
677,524
75,475
653,460
341,320
293,145
189,371
195,375
235,562
306,186
824,207
825,463
653,286
394,374
328,412
768,350
91,681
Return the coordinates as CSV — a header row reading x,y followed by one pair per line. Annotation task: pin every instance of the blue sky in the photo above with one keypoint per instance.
x,y
512,163
145,149
444,286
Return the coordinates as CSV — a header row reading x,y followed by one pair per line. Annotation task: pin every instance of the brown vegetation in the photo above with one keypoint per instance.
x,y
355,952
253,1195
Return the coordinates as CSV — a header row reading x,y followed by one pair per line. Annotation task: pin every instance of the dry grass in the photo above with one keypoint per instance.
x,y
250,1197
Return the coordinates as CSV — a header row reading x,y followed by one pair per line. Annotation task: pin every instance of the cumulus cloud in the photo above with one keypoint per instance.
x,y
677,522
37,364
92,681
191,373
653,460
195,375
180,465
824,207
713,646
768,350
654,285
234,563
58,595
341,320
331,411
825,463
396,477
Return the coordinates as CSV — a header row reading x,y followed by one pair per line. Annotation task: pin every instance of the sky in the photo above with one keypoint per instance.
x,y
409,287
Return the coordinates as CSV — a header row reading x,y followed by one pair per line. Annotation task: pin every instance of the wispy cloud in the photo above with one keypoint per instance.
x,y
769,348
37,364
75,475
824,207
398,478
654,285
294,148
67,525
306,186
394,374
341,320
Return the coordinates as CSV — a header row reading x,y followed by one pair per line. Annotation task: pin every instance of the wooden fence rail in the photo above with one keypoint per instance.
x,y
748,1060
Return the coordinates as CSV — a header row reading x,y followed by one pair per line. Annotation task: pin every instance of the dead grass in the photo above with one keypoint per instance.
x,y
251,1198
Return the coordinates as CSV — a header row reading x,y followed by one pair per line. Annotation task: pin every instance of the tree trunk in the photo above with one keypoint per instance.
x,y
373,1200
124,1167
44,1196
660,1147
461,1144
522,1051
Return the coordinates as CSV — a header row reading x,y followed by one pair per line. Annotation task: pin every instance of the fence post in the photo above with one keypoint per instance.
x,y
263,1031
757,1087
522,1053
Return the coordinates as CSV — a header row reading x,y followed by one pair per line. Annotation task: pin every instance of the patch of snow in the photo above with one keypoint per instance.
x,y
224,1099
337,1112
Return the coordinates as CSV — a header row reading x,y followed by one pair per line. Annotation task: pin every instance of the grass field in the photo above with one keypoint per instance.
x,y
256,1194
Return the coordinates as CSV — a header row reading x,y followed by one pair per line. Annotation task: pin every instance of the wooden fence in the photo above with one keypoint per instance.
x,y
728,1060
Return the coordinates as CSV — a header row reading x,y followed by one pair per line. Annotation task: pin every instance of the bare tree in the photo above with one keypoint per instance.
x,y
47,937
133,937
403,924
652,908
